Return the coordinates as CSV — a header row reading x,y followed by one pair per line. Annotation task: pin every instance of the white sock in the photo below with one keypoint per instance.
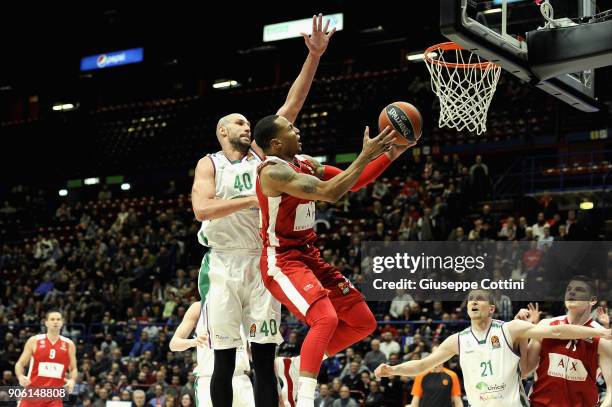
x,y
306,391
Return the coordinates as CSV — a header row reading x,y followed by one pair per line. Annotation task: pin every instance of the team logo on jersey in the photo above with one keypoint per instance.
x,y
495,342
444,382
41,344
344,287
252,330
63,346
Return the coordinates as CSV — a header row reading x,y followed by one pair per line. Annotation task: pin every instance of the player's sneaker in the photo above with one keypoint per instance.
x,y
288,372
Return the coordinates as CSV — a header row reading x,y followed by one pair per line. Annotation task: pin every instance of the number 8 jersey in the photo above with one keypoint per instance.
x,y
490,368
233,179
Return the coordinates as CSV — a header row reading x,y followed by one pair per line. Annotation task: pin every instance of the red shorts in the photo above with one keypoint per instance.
x,y
297,278
40,403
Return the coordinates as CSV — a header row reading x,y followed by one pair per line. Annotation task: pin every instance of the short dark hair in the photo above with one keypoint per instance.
x,y
588,281
265,130
52,311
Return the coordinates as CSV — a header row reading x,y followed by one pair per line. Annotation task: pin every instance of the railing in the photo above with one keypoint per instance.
x,y
569,171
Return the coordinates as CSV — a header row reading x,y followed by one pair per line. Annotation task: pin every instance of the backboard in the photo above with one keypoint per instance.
x,y
555,45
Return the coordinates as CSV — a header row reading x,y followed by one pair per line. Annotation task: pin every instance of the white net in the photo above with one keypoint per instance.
x,y
464,84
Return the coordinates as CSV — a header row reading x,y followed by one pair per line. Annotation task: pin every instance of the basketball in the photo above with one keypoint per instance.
x,y
405,119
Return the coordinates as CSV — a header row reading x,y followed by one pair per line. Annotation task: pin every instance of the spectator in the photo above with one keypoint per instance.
x,y
374,357
8,379
139,398
538,227
508,231
102,398
380,190
142,345
108,344
480,182
521,228
546,241
562,235
351,379
345,399
158,399
375,398
186,400
325,399
388,345
399,302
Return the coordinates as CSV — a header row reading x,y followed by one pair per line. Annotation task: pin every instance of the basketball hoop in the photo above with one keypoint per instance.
x,y
464,84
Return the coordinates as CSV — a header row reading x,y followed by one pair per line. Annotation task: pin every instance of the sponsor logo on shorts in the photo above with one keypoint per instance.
x,y
344,287
308,287
495,342
252,330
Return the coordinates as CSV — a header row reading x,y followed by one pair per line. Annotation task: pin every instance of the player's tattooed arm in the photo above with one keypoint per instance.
x,y
285,180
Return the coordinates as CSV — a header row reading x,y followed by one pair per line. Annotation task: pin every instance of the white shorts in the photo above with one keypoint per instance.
x,y
230,283
243,392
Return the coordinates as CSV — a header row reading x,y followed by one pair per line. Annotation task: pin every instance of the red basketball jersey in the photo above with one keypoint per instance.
x,y
50,362
287,221
567,373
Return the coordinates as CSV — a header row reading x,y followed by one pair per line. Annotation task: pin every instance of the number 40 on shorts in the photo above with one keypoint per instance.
x,y
265,327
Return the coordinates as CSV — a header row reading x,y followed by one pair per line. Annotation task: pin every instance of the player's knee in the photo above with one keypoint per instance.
x,y
322,315
369,323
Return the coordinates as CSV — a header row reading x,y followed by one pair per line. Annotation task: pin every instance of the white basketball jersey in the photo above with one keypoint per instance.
x,y
206,356
233,179
490,368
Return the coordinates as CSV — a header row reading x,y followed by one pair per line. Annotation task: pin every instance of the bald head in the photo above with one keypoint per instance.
x,y
234,132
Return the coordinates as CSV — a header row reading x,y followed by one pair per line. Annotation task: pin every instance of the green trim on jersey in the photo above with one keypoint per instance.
x,y
195,393
203,279
203,236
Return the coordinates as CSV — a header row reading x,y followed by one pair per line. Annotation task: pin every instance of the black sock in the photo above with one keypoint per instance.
x,y
266,393
221,392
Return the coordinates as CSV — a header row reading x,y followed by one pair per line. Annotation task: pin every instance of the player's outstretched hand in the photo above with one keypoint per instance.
x,y
384,370
373,147
603,317
319,39
534,313
522,315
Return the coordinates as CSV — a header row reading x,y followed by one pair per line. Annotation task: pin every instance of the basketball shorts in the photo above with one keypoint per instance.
x,y
230,283
298,278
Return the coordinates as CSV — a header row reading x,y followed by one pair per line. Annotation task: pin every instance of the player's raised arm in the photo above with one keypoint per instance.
x,y
23,361
205,205
521,329
444,352
180,340
279,178
317,44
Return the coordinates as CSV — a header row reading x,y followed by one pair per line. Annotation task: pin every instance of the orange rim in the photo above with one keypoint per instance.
x,y
451,46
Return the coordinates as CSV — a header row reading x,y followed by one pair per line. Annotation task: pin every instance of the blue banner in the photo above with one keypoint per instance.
x,y
111,59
